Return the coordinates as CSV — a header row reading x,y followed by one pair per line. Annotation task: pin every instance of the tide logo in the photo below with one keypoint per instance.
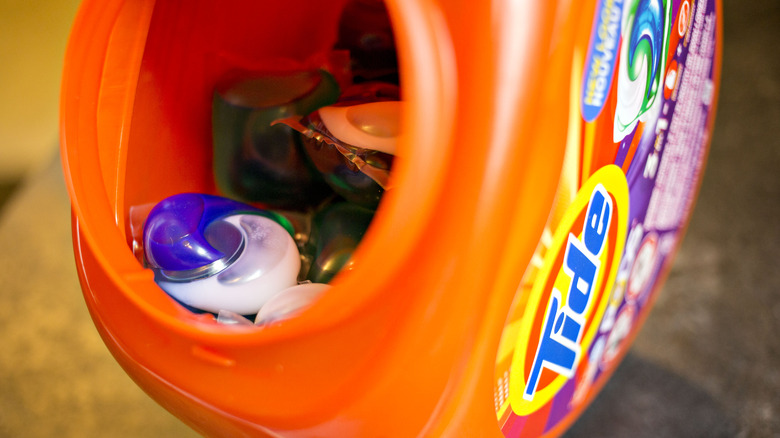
x,y
571,293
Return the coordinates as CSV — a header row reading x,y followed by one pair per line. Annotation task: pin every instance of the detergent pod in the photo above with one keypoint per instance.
x,y
353,142
255,161
336,232
212,253
290,302
281,306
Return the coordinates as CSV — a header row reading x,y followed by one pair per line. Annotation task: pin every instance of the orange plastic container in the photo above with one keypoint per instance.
x,y
424,336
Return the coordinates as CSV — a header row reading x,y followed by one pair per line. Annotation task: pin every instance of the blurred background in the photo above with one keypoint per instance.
x,y
32,44
706,363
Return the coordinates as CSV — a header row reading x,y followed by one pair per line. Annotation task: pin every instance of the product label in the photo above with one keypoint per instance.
x,y
570,291
644,110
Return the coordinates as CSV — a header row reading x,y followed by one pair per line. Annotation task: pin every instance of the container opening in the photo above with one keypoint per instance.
x,y
290,108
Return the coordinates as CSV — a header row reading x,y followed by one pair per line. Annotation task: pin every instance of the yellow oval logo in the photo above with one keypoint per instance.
x,y
571,292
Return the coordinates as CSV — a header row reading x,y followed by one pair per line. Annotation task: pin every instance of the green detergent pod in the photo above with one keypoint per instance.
x,y
336,233
255,161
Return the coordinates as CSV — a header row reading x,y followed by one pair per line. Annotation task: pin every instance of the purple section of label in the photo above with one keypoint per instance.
x,y
664,171
561,405
669,155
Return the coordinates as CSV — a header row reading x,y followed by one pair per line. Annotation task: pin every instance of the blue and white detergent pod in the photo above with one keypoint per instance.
x,y
215,254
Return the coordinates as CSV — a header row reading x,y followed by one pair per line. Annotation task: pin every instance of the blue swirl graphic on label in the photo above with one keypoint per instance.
x,y
645,43
642,62
601,58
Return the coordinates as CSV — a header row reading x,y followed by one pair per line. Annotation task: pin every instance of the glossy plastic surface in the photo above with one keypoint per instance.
x,y
405,343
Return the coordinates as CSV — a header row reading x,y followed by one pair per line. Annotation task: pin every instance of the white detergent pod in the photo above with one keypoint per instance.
x,y
290,302
226,317
369,125
266,263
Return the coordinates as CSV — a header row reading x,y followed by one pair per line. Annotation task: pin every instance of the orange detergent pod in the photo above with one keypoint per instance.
x,y
549,154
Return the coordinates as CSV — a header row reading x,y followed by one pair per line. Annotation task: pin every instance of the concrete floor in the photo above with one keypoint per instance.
x,y
706,364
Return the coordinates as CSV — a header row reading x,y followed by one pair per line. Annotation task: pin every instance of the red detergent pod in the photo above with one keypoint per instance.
x,y
529,172
353,142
